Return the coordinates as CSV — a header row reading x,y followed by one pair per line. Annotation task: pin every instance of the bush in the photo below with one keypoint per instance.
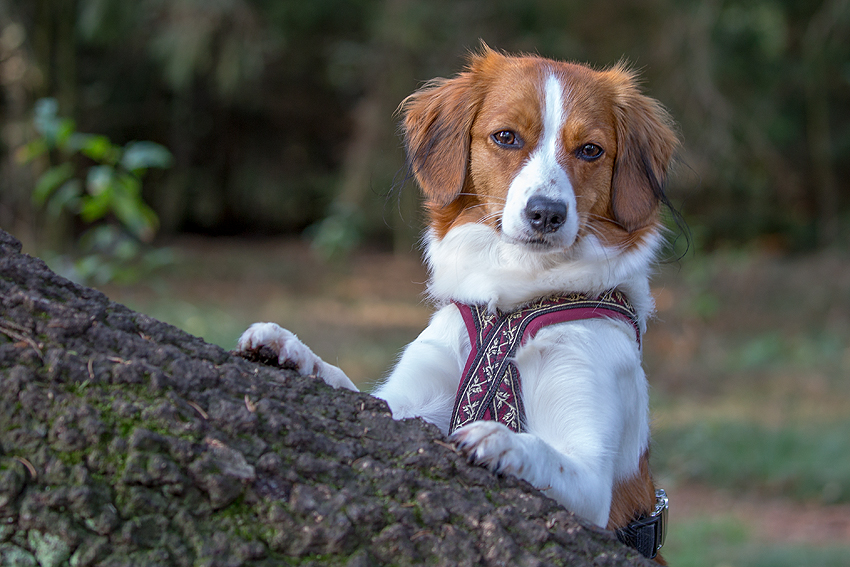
x,y
99,183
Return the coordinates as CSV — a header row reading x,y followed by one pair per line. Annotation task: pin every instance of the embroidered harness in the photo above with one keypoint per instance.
x,y
490,387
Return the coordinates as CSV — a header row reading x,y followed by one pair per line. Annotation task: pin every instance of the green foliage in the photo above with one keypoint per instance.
x,y
99,183
263,97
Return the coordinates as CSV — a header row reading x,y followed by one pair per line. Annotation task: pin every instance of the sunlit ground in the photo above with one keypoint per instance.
x,y
748,360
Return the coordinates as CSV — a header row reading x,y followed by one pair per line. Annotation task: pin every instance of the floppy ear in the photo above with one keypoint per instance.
x,y
645,146
436,128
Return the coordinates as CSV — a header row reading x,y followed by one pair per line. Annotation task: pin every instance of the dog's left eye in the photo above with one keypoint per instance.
x,y
507,139
589,152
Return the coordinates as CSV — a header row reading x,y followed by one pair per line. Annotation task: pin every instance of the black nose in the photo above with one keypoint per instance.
x,y
545,215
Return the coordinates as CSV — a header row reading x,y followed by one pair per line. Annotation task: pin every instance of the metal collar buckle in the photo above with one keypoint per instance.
x,y
647,535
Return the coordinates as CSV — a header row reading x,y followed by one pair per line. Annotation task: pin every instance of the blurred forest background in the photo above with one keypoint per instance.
x,y
210,137
279,113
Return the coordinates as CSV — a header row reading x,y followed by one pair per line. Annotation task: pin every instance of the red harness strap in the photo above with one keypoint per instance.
x,y
490,387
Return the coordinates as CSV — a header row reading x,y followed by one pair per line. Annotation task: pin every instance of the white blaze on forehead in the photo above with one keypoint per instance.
x,y
542,175
553,116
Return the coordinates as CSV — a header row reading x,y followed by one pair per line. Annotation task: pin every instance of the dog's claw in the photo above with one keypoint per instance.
x,y
490,444
284,344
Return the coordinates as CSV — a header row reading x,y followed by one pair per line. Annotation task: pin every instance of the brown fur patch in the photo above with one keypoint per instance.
x,y
645,142
633,498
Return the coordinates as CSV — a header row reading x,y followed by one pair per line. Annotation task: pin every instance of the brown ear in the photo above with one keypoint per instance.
x,y
436,128
645,146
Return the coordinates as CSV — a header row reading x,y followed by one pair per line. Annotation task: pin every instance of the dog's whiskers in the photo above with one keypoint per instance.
x,y
488,218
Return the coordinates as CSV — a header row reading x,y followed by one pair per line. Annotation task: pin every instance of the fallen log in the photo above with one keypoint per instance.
x,y
127,442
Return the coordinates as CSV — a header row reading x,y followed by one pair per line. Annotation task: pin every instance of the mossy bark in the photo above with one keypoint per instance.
x,y
125,441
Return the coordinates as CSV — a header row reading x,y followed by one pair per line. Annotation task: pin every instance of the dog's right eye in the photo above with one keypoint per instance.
x,y
589,152
507,139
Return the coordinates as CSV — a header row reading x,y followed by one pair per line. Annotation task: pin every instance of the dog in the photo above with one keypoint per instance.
x,y
542,180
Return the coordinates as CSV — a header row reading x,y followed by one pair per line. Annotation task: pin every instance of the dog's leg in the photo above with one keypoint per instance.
x,y
586,417
582,489
290,349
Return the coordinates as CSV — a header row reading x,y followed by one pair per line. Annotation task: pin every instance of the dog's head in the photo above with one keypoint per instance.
x,y
545,152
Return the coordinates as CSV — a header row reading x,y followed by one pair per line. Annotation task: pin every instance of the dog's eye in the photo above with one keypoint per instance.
x,y
507,139
589,152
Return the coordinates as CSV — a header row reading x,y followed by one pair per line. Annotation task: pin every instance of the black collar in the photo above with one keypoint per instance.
x,y
647,535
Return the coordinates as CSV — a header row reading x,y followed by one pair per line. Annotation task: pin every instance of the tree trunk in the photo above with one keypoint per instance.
x,y
818,129
125,441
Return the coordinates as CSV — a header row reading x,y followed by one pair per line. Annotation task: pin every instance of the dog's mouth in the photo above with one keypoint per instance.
x,y
541,239
539,243
535,243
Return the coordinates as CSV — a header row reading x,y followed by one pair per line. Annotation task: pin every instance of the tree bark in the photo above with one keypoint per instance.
x,y
125,441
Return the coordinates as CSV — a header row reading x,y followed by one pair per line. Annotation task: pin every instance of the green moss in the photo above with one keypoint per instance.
x,y
237,513
71,458
11,554
50,550
551,554
124,428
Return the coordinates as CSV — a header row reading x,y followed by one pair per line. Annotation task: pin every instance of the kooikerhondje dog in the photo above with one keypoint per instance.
x,y
543,183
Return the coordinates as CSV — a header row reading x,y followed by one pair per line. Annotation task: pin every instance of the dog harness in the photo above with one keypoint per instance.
x,y
490,387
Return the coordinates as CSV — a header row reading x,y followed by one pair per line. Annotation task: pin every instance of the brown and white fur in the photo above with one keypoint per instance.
x,y
539,177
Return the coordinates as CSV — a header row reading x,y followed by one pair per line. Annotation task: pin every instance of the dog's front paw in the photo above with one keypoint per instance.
x,y
492,445
291,351
285,345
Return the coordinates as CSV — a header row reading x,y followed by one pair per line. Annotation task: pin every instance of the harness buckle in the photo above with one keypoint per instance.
x,y
647,535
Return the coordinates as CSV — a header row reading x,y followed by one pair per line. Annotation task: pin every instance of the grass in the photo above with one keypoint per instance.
x,y
203,319
802,462
357,314
723,541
